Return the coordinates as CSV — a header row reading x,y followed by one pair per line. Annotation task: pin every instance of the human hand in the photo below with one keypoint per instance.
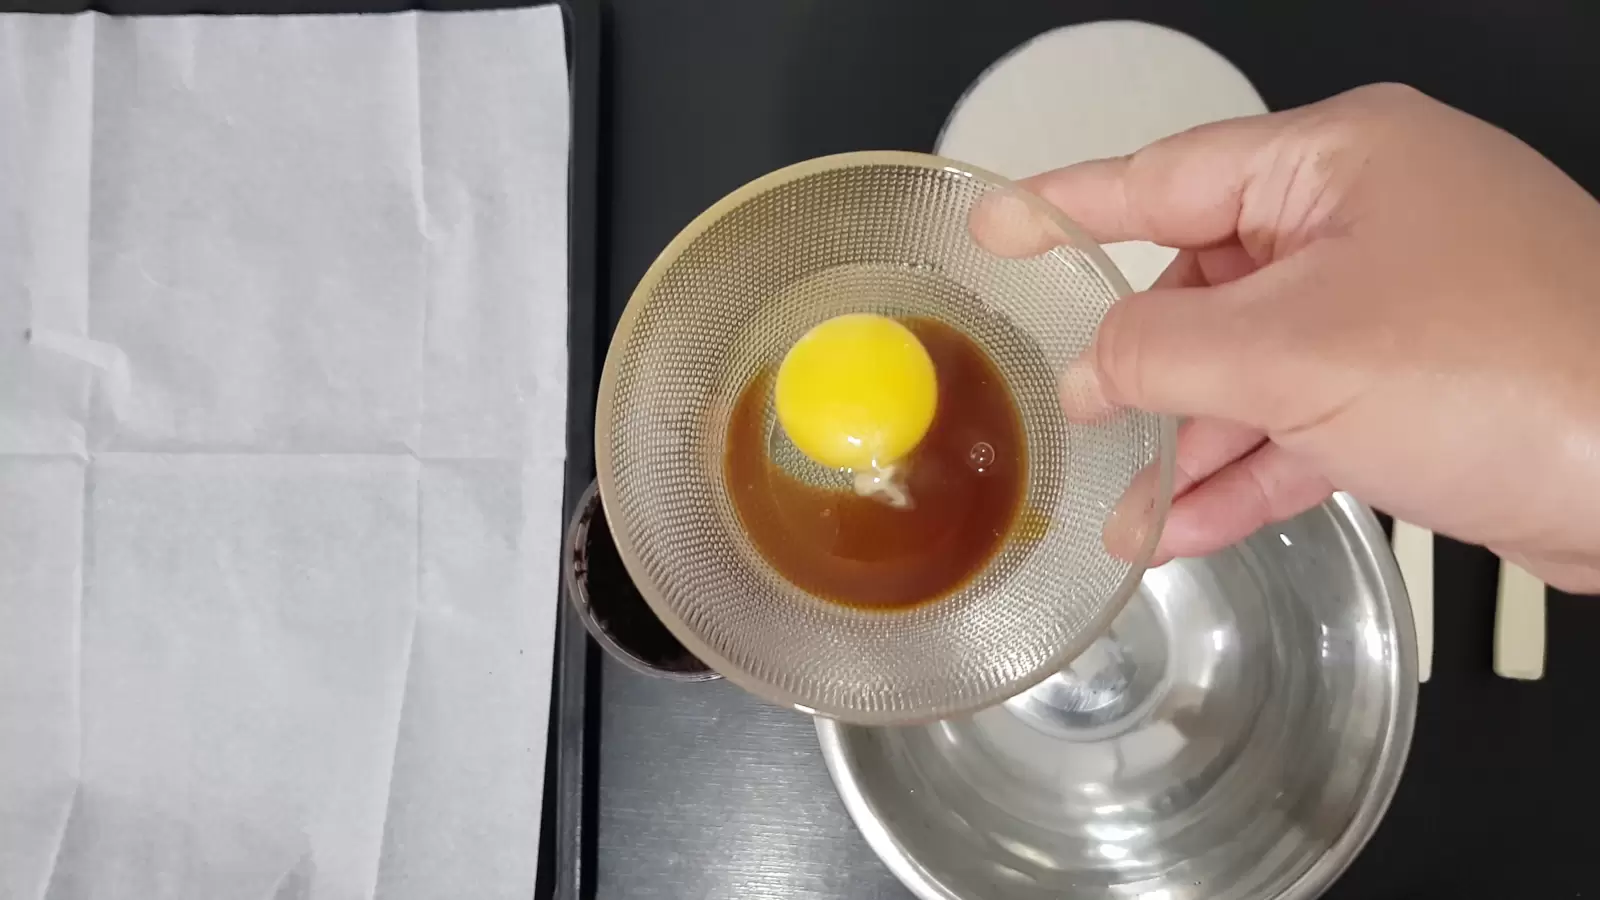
x,y
1375,293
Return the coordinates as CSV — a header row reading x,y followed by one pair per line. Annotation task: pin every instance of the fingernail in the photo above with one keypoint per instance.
x,y
1082,397
1128,528
1006,225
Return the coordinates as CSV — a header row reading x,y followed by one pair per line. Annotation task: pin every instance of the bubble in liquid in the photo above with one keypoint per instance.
x,y
981,456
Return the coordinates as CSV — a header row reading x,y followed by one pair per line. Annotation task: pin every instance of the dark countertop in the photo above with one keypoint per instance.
x,y
706,94
702,95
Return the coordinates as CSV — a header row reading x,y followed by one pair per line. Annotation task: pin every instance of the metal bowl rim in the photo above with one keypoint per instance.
x,y
1372,546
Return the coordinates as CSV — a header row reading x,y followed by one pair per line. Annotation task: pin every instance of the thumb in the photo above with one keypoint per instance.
x,y
1183,351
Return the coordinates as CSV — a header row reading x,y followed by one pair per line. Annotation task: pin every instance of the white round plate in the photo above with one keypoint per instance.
x,y
1090,91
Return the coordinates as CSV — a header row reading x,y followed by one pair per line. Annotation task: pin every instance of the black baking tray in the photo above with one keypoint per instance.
x,y
560,862
568,755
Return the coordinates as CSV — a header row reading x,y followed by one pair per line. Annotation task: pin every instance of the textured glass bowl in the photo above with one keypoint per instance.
x,y
900,234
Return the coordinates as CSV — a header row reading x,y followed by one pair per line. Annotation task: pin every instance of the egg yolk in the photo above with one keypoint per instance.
x,y
856,392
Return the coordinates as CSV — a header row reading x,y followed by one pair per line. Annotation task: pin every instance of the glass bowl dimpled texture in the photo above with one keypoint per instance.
x,y
892,233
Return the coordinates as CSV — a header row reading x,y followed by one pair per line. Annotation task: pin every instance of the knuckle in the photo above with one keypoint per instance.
x,y
1362,114
1379,109
1389,94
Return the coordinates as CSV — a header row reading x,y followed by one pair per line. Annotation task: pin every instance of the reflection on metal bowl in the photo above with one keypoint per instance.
x,y
1236,735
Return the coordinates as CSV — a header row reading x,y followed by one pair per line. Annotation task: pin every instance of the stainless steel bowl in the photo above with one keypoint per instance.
x,y
1237,734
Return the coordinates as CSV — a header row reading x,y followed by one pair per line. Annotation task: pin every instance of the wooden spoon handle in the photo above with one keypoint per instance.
x,y
1519,625
1413,549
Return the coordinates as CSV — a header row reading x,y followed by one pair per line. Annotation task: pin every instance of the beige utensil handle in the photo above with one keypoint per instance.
x,y
1519,629
1413,549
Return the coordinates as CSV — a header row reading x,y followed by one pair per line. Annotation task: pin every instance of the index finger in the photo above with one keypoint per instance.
x,y
1185,191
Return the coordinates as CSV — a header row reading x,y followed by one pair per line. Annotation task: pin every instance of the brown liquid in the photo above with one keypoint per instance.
x,y
861,551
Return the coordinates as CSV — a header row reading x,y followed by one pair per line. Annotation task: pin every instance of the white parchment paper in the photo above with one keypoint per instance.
x,y
282,404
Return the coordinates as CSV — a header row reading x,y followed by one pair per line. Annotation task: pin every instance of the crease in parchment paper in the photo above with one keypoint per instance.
x,y
282,351
115,382
296,881
418,171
